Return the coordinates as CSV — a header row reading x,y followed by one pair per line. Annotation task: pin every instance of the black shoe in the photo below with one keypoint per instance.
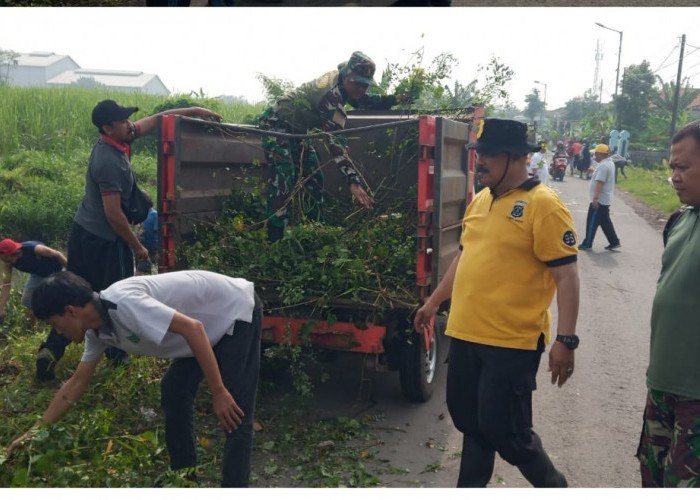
x,y
583,246
541,473
45,365
612,247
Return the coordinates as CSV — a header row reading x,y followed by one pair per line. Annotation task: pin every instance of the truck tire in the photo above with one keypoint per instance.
x,y
418,368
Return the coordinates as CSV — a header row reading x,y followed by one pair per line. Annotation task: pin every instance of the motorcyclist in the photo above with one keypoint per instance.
x,y
560,152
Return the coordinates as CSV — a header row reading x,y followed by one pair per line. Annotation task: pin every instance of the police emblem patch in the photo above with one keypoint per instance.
x,y
518,209
569,238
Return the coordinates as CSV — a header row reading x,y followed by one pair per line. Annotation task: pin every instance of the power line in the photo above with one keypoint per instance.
x,y
669,55
675,63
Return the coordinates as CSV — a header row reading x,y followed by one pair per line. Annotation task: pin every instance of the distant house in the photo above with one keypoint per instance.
x,y
128,81
36,68
47,69
694,108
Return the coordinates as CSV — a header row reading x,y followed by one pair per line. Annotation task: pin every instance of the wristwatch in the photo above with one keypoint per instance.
x,y
570,341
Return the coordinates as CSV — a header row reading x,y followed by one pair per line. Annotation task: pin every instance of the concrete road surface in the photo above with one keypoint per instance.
x,y
590,427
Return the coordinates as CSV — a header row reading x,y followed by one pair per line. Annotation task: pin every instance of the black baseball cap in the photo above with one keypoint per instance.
x,y
108,111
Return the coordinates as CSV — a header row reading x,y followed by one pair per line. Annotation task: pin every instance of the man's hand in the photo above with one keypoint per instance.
x,y
18,442
424,316
561,363
361,195
227,410
141,253
206,114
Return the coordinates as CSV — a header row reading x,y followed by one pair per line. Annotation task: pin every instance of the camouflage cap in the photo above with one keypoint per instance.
x,y
360,68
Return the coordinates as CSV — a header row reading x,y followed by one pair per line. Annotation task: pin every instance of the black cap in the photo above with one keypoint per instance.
x,y
497,135
108,111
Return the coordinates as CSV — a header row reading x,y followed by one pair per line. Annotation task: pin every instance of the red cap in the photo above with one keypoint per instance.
x,y
8,247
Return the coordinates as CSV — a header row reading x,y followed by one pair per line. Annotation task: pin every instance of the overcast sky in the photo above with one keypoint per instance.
x,y
221,50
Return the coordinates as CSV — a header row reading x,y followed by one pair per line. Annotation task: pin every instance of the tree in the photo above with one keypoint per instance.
x,y
578,108
493,90
635,96
659,119
8,60
88,82
534,105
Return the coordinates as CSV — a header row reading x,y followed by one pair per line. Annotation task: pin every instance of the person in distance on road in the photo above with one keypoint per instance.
x,y
538,163
669,448
518,246
602,188
207,323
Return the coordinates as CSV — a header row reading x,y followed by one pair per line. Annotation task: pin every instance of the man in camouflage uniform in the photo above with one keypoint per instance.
x,y
318,105
669,448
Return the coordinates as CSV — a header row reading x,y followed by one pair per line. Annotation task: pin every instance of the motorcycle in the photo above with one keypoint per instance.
x,y
558,168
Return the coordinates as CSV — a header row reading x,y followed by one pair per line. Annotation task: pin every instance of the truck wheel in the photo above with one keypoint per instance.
x,y
418,367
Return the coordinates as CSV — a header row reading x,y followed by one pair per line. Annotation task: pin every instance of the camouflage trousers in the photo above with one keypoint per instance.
x,y
295,179
669,447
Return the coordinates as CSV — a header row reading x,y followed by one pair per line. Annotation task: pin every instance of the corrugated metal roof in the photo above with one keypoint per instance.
x,y
41,59
105,77
109,78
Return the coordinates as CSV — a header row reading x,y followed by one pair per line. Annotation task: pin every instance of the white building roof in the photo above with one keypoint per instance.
x,y
111,78
41,59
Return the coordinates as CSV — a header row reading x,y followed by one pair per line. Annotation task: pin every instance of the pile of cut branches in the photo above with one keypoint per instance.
x,y
365,258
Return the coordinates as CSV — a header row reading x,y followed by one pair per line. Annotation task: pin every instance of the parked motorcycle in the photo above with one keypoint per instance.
x,y
558,168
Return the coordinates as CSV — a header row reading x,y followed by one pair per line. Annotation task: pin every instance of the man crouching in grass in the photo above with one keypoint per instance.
x,y
207,323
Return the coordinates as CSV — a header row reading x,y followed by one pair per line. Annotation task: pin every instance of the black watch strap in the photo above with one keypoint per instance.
x,y
570,341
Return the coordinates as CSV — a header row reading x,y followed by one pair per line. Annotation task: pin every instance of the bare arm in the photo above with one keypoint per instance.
x,y
441,293
596,195
117,220
50,253
67,395
149,124
227,410
561,357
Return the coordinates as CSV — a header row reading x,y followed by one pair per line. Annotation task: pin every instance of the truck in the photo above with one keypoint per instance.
x,y
424,159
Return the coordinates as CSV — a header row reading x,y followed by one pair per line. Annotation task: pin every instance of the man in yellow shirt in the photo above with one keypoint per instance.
x,y
518,246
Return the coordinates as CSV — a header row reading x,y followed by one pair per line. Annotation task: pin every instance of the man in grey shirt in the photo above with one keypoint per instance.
x,y
102,244
602,188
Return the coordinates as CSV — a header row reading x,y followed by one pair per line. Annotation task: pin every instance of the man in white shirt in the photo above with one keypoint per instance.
x,y
208,323
539,164
602,187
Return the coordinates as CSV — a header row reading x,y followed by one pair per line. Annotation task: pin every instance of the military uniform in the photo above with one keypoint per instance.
x,y
318,105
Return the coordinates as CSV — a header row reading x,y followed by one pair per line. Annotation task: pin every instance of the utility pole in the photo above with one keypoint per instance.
x,y
617,75
676,95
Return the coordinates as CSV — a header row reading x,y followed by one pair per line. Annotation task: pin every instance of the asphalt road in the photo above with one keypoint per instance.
x,y
590,427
